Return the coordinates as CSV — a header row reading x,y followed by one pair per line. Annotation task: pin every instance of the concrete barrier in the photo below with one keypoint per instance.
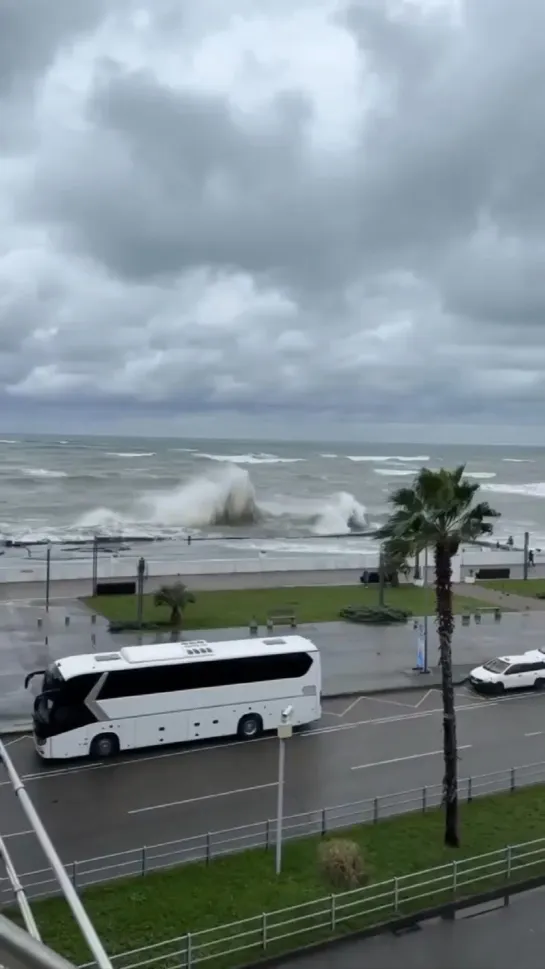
x,y
122,567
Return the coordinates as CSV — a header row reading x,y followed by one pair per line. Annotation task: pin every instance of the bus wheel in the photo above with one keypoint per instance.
x,y
250,726
105,745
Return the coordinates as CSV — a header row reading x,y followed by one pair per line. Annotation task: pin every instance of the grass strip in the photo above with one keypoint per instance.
x,y
529,588
217,609
143,911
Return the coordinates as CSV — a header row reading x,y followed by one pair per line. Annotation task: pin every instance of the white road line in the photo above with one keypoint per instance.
x,y
136,761
394,703
425,697
205,797
17,834
17,740
534,733
400,760
351,706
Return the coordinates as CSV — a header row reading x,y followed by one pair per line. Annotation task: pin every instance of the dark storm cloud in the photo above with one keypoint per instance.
x,y
276,208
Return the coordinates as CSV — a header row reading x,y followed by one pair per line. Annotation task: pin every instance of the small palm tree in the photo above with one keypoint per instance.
x,y
175,597
439,512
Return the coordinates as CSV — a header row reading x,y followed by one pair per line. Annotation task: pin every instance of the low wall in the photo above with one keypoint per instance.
x,y
125,566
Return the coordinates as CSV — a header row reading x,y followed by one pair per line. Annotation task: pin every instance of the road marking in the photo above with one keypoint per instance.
x,y
534,733
205,797
17,834
394,703
17,740
425,697
400,760
137,760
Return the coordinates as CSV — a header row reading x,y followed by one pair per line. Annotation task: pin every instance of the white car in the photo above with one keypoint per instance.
x,y
510,673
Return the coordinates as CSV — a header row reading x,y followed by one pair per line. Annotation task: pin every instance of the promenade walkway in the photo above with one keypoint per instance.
x,y
507,937
505,600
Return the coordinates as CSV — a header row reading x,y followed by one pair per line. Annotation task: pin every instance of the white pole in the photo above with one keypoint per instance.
x,y
87,928
19,892
280,802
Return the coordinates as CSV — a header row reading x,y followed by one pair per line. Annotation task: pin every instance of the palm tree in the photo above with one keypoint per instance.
x,y
175,597
438,512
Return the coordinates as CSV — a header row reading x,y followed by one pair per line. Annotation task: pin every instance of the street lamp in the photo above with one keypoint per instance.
x,y
284,732
140,588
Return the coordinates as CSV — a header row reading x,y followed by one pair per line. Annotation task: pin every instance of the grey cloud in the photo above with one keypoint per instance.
x,y
191,233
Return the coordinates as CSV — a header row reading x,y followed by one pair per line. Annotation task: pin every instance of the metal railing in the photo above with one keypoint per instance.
x,y
261,834
283,930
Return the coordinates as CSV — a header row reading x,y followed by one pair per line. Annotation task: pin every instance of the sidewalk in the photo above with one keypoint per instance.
x,y
501,939
355,659
504,599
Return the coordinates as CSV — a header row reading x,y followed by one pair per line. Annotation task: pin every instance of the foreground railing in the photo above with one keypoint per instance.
x,y
287,929
261,834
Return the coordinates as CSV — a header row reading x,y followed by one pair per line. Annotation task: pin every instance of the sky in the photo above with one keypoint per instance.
x,y
291,218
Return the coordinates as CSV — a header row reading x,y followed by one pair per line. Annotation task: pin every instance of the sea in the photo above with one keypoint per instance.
x,y
253,495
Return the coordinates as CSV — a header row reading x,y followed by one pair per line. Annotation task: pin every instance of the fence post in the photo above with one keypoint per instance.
x,y
469,790
333,914
189,951
264,931
513,779
208,848
454,877
267,835
508,862
375,810
324,821
424,799
396,896
75,874
143,865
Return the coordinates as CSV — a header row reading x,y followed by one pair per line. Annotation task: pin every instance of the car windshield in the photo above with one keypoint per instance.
x,y
496,666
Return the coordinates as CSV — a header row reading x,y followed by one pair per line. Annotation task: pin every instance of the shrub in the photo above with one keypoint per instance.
x,y
378,615
341,864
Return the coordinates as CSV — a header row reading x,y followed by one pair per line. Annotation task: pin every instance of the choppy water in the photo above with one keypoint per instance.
x,y
273,494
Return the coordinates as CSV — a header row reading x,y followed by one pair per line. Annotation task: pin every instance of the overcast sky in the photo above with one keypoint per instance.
x,y
289,217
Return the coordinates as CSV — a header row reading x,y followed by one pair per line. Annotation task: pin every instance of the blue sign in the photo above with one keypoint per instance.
x,y
420,648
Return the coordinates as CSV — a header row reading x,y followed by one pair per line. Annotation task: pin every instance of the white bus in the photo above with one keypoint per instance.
x,y
168,693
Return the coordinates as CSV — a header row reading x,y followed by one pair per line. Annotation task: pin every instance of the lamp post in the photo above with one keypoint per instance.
x,y
284,732
141,573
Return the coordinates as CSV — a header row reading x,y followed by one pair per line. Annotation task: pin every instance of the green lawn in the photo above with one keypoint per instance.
x,y
517,587
155,908
214,610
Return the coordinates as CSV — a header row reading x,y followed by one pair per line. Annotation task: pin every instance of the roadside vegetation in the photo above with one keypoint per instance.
x,y
439,511
237,607
530,588
151,909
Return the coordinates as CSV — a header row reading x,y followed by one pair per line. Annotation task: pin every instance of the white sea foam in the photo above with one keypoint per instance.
x,y
43,473
6,440
130,454
328,455
535,489
385,458
518,460
480,475
396,472
224,497
248,458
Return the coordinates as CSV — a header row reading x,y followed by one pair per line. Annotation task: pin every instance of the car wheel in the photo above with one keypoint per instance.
x,y
500,688
539,683
105,745
250,727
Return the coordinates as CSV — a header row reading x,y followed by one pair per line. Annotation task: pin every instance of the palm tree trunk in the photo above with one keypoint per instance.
x,y
445,628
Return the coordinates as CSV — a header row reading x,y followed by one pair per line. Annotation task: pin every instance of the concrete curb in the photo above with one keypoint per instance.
x,y
430,684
